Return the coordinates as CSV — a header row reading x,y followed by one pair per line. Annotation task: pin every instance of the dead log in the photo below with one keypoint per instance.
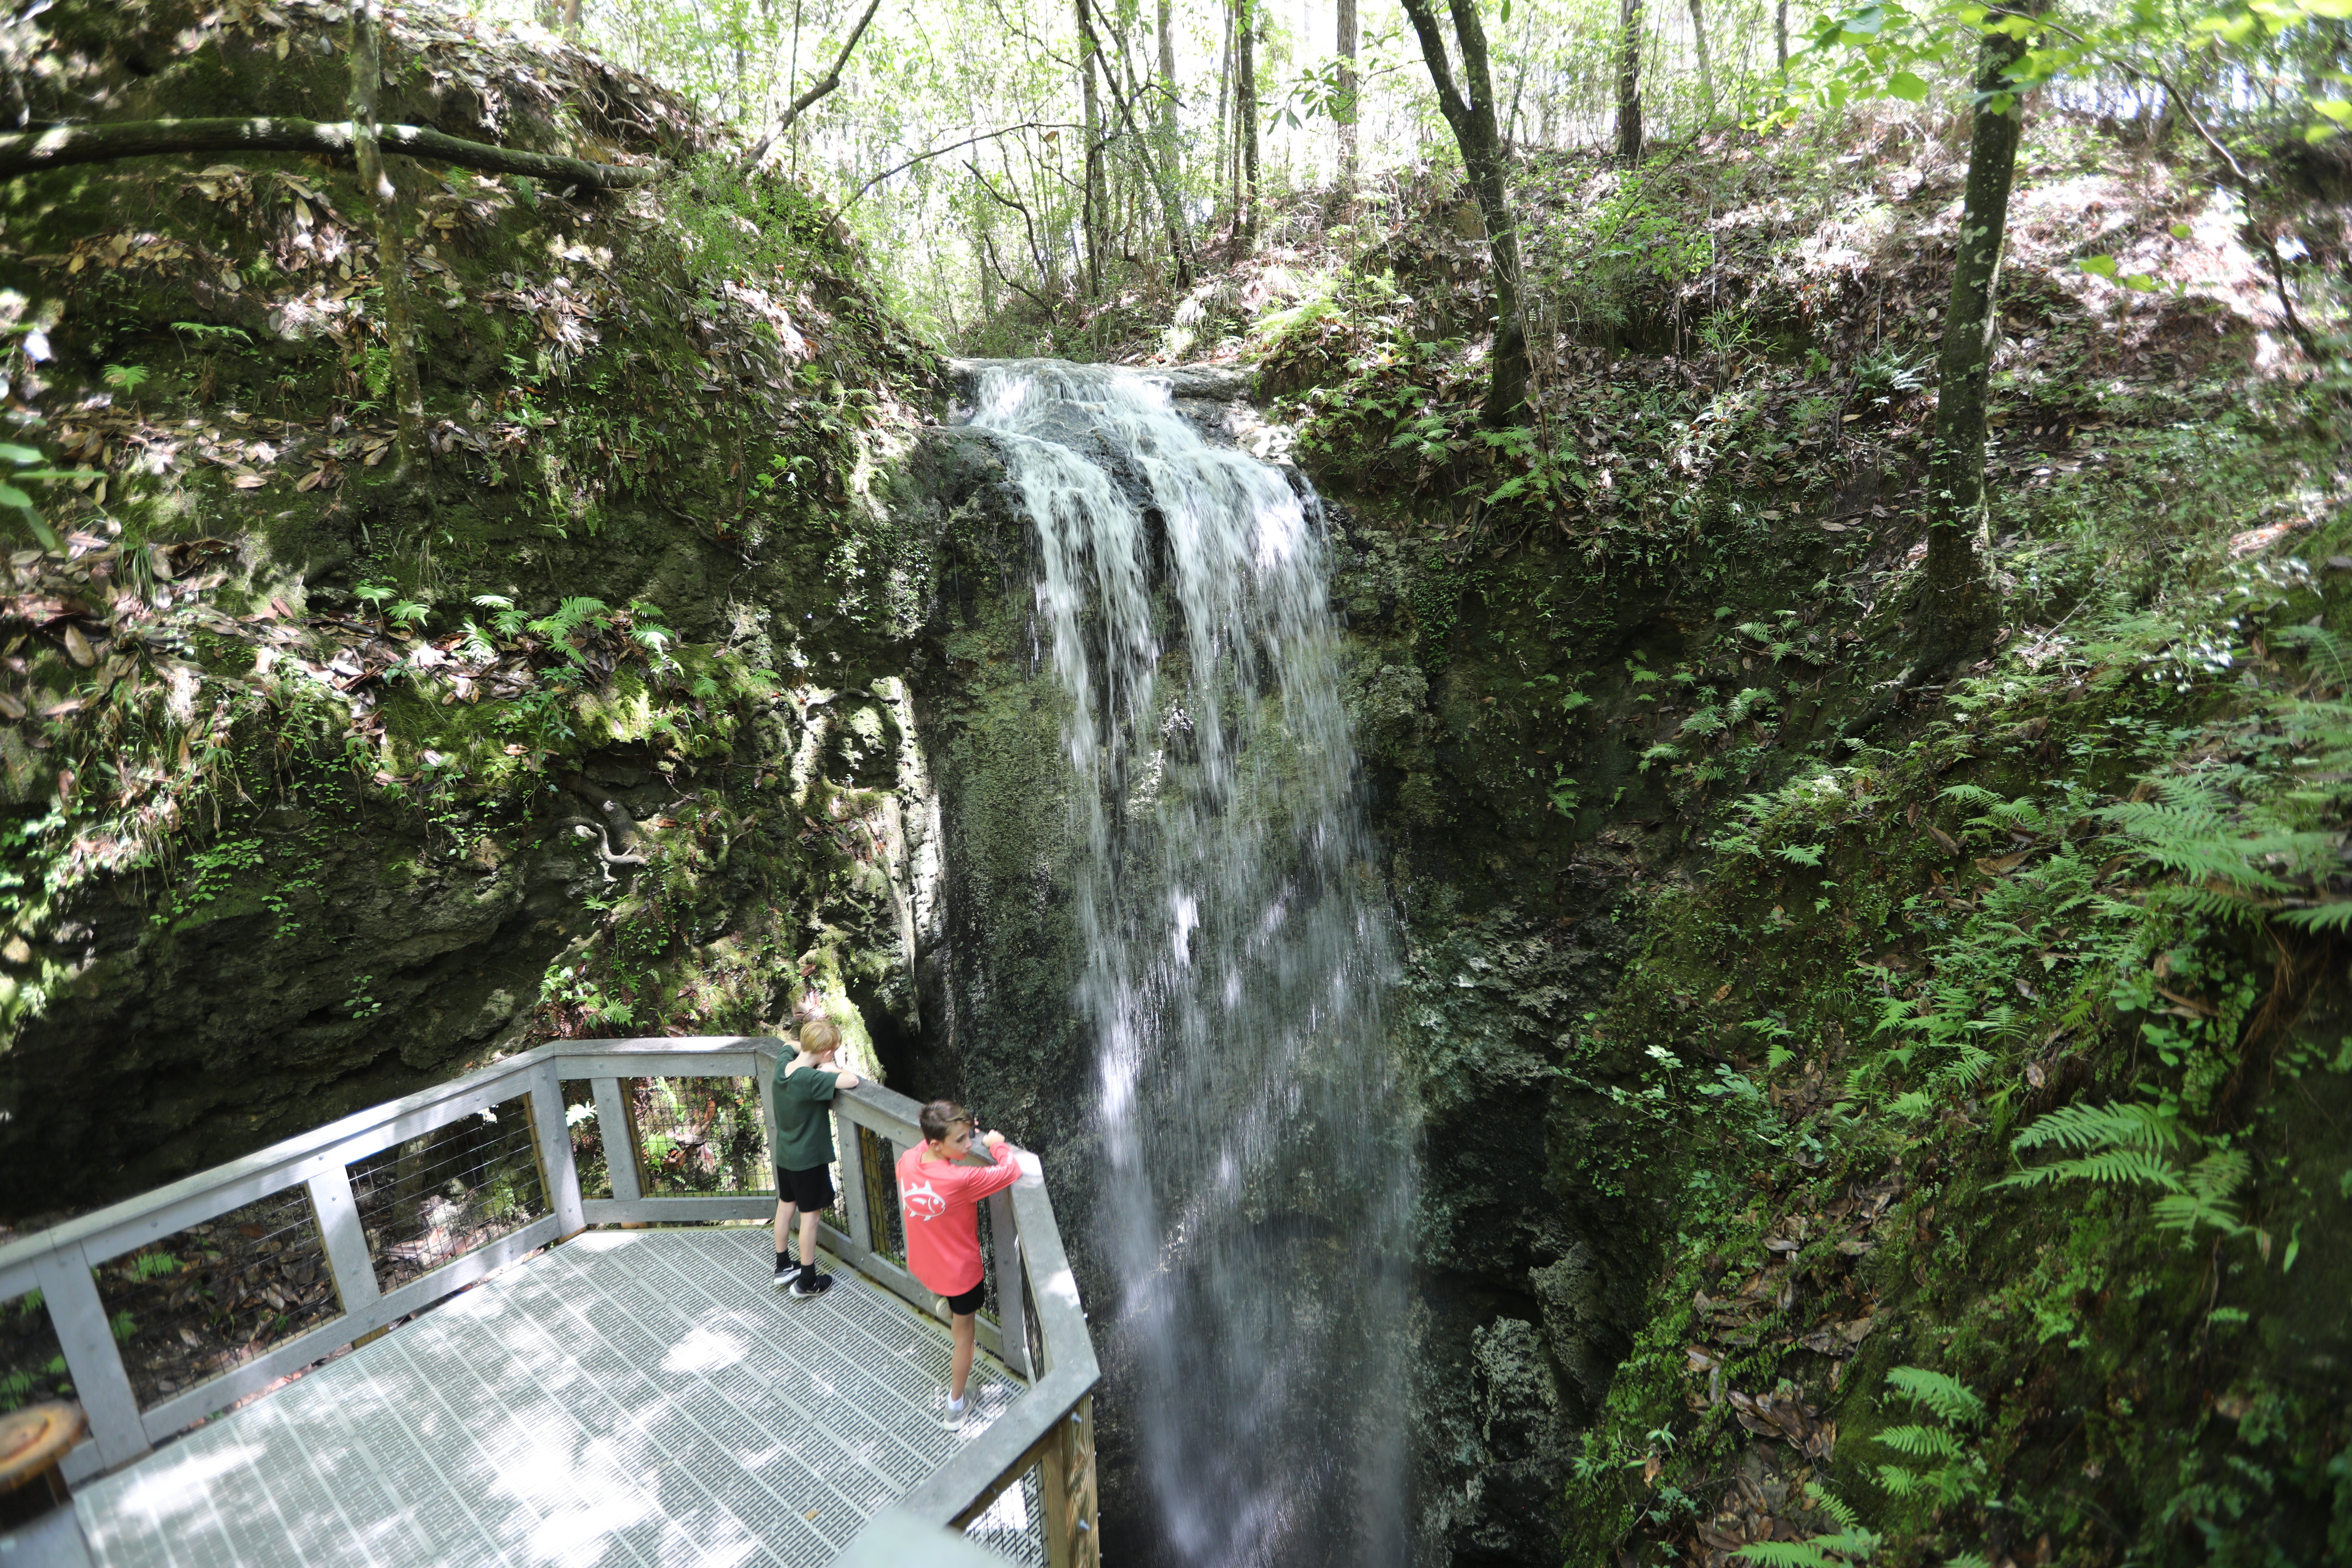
x,y
27,151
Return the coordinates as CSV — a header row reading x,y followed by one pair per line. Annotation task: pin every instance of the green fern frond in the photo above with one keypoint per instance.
x,y
1900,1482
2109,1167
1922,1442
1947,1396
1969,1066
1970,795
2121,1125
2336,916
2184,1212
1787,1554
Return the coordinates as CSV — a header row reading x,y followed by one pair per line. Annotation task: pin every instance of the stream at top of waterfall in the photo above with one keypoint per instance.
x,y
1258,1156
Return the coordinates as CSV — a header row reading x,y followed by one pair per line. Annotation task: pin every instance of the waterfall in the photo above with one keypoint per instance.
x,y
1257,1166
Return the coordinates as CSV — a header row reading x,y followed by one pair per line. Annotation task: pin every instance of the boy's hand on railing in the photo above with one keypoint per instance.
x,y
993,1139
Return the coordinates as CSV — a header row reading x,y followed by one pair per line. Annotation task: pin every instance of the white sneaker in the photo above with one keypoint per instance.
x,y
957,1409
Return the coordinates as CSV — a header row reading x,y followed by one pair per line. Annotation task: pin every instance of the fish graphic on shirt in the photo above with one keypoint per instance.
x,y
923,1201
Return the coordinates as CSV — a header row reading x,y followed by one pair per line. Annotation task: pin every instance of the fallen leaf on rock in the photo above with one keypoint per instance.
x,y
78,647
1945,841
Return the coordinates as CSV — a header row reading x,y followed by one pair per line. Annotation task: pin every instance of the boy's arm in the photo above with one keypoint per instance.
x,y
844,1079
995,1178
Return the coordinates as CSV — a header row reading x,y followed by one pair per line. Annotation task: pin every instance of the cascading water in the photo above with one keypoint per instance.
x,y
1258,1163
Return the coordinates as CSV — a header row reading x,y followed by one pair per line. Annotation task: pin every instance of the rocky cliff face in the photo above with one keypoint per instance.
x,y
321,783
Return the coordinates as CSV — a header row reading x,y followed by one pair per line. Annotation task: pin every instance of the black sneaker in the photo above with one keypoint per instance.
x,y
809,1282
785,1271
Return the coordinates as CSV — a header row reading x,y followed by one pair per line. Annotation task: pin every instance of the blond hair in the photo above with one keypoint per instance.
x,y
819,1036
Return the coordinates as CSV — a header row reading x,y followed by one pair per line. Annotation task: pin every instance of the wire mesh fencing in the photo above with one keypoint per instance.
x,y
430,1201
587,1135
877,1168
32,1363
700,1135
203,1300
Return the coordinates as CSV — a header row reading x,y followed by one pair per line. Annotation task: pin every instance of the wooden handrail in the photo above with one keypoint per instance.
x,y
60,1261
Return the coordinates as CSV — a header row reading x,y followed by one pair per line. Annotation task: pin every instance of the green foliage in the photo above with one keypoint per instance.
x,y
1942,1467
31,468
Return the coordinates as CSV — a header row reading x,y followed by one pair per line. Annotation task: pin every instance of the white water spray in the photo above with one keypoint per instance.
x,y
1259,1169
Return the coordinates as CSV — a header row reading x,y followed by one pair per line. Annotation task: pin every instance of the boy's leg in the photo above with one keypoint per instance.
x,y
808,1240
784,1275
964,1328
783,1223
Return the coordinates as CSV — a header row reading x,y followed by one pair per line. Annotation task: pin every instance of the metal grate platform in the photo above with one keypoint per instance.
x,y
638,1396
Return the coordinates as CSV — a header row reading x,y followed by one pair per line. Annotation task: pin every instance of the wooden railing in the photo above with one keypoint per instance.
x,y
1037,1328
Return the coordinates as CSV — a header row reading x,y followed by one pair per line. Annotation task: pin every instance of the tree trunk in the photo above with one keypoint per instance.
x,y
1345,114
1167,116
1159,166
1705,67
391,252
1245,113
1629,80
1958,608
1475,131
1228,161
1093,213
1780,41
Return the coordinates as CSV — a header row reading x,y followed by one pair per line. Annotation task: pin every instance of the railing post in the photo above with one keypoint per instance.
x,y
1012,1319
1068,1474
343,1237
558,1173
93,1358
618,1129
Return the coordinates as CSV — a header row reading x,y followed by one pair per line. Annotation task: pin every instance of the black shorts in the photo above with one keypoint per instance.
x,y
810,1190
965,1305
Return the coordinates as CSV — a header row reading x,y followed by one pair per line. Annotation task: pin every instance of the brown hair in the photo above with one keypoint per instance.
x,y
939,1117
819,1036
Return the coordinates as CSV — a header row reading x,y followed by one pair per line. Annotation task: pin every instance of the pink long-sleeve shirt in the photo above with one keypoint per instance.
x,y
941,1200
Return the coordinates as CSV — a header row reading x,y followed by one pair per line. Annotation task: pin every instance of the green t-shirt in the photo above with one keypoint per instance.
x,y
804,1131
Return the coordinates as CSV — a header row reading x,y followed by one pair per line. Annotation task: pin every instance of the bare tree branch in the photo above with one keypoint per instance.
x,y
942,151
819,89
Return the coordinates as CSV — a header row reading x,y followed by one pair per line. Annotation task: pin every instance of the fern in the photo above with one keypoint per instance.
x,y
2320,647
1947,1396
2335,917
1813,1553
2209,1195
1787,1554
2116,1126
2110,1167
1922,1442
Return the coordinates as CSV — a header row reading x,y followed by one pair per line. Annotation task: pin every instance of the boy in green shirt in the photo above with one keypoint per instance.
x,y
805,1090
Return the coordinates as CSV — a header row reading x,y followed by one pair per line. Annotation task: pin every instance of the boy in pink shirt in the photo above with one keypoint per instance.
x,y
941,1197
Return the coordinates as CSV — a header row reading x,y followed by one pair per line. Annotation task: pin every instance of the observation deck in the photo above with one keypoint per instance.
x,y
455,1329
